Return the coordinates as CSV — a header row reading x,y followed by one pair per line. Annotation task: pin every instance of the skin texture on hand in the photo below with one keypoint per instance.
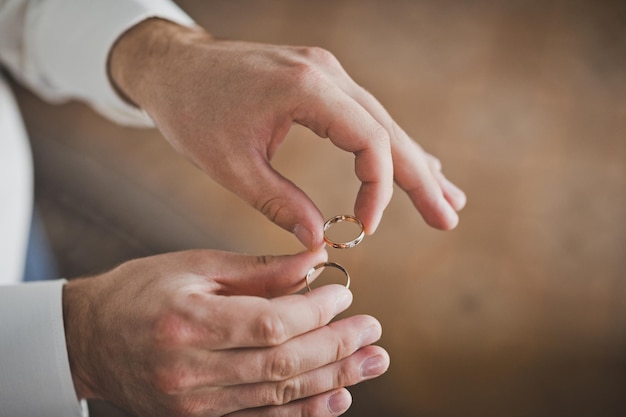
x,y
227,106
208,333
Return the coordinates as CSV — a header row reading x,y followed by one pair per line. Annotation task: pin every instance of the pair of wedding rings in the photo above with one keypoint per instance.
x,y
339,245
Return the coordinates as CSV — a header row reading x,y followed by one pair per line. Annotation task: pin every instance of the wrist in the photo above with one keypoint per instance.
x,y
77,323
138,59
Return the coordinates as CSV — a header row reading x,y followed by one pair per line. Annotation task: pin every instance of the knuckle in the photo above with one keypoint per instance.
x,y
283,365
344,348
434,162
309,67
348,373
308,79
285,392
170,330
270,207
345,376
322,314
320,55
380,136
169,380
271,328
264,260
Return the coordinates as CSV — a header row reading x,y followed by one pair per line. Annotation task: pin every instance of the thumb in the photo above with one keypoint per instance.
x,y
268,276
282,202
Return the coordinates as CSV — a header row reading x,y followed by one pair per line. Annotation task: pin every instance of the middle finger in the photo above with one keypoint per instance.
x,y
312,350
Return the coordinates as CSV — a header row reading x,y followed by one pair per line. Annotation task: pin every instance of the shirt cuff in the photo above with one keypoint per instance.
x,y
75,55
35,377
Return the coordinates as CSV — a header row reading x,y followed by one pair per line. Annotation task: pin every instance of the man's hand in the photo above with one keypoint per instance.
x,y
228,106
207,333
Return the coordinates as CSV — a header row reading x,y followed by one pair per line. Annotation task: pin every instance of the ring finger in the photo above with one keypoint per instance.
x,y
369,362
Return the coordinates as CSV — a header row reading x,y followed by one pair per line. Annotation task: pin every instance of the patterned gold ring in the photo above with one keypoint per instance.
x,y
339,219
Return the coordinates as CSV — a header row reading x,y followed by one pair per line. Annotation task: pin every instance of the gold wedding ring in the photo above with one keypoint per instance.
x,y
324,265
338,245
339,219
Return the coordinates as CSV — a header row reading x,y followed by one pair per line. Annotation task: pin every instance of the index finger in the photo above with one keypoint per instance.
x,y
334,114
245,321
415,171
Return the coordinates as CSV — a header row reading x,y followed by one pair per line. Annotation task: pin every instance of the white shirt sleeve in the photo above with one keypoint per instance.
x,y
59,48
35,377
16,189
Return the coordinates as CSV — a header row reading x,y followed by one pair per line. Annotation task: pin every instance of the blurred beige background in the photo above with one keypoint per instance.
x,y
519,312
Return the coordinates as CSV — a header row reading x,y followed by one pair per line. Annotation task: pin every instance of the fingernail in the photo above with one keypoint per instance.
x,y
369,335
452,217
304,235
373,366
458,196
339,402
343,302
374,225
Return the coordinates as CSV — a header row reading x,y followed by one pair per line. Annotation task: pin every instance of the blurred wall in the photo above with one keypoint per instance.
x,y
521,311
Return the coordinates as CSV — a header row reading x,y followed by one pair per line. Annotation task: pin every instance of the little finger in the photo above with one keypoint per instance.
x,y
328,404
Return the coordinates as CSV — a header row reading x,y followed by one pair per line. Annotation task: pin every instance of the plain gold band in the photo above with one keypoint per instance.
x,y
324,265
339,219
